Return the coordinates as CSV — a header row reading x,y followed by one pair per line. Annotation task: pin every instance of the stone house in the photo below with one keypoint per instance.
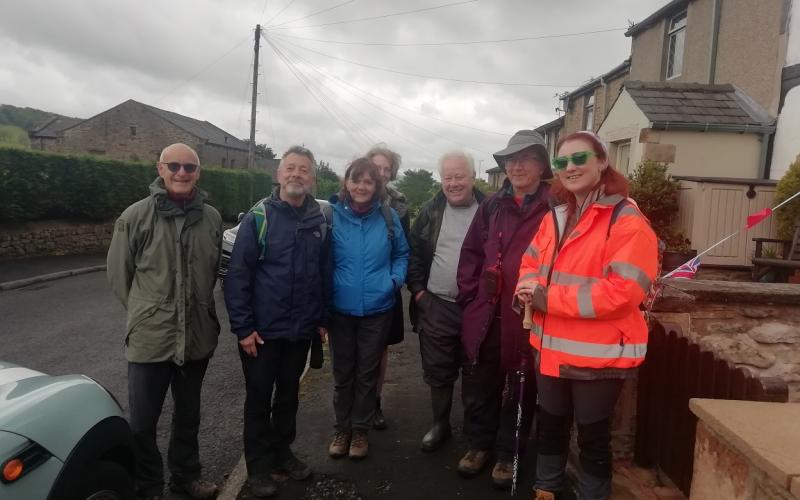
x,y
46,137
688,58
135,131
586,107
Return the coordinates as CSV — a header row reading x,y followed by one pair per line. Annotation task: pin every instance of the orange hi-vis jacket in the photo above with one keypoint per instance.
x,y
593,286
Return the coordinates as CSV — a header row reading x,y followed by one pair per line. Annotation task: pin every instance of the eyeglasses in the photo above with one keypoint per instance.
x,y
521,160
174,166
577,159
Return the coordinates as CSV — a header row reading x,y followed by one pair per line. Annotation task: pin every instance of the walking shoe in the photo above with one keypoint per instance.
x,y
262,485
503,474
472,462
294,468
198,489
378,421
359,445
544,495
340,444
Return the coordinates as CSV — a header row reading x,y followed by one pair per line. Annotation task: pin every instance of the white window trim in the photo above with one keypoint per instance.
x,y
670,34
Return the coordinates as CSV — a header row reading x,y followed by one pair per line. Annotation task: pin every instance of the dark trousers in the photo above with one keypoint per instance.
x,y
592,404
491,398
147,388
439,340
272,381
357,344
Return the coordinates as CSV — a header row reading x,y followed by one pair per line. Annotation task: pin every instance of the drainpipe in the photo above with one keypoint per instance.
x,y
712,58
762,162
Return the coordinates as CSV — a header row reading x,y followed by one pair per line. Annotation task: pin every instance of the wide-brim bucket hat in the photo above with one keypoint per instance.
x,y
524,139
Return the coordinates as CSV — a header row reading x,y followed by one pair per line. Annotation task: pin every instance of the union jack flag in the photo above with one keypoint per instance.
x,y
687,270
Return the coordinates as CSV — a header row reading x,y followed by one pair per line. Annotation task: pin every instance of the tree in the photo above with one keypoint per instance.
x,y
484,187
656,194
262,150
419,186
328,182
14,137
788,215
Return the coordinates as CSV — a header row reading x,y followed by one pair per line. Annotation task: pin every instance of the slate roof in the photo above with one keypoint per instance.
x,y
53,127
202,129
697,103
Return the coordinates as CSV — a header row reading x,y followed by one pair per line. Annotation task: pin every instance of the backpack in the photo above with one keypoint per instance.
x,y
260,220
655,286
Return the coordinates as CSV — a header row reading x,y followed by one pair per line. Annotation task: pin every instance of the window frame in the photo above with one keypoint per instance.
x,y
588,111
673,32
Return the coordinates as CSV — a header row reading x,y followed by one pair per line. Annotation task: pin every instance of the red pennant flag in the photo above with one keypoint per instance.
x,y
757,217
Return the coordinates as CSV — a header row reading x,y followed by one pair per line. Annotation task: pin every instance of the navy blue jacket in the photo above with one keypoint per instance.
x,y
286,295
368,267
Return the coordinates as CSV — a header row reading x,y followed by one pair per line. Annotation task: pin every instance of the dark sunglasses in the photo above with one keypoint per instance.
x,y
174,166
577,159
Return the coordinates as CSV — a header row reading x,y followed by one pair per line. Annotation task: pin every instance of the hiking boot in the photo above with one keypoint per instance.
x,y
378,420
359,445
503,474
262,485
544,495
340,444
441,402
472,462
198,489
294,468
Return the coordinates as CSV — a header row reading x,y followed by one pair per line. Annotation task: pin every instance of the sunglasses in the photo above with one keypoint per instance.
x,y
577,159
174,166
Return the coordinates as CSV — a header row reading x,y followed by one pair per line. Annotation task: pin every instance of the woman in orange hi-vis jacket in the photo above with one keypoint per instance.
x,y
586,272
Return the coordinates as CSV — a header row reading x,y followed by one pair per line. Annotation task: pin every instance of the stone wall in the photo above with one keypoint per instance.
x,y
753,325
37,239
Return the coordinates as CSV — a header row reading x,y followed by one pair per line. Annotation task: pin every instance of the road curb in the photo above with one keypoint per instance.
x,y
11,285
236,479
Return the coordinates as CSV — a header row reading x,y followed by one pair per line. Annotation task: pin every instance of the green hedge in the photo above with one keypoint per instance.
x,y
36,186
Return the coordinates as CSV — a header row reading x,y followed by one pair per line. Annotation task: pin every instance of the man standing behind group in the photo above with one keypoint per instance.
x,y
435,240
495,343
276,293
162,266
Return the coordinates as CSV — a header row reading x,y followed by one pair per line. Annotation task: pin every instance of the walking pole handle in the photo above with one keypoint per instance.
x,y
527,320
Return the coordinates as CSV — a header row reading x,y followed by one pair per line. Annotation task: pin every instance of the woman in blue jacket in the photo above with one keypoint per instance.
x,y
370,257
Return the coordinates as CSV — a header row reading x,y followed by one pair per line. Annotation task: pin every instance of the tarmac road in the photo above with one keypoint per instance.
x,y
75,325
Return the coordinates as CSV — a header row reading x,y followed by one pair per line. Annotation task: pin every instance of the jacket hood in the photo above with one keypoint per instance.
x,y
168,207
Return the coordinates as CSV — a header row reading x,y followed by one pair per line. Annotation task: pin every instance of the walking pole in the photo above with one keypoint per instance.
x,y
527,324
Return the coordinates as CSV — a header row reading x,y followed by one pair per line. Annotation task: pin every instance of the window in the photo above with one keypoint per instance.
x,y
588,115
623,157
233,163
224,162
133,130
676,37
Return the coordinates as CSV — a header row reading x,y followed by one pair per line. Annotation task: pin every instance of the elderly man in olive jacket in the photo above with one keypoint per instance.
x,y
162,265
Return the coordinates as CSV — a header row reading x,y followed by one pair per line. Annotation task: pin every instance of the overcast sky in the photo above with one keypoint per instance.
x,y
195,57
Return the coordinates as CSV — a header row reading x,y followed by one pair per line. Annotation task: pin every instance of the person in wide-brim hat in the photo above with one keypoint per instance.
x,y
525,139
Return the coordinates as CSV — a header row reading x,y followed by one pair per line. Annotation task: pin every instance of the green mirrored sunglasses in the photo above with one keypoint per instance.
x,y
577,159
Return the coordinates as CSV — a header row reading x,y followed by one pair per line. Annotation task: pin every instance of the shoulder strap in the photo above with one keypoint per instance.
x,y
327,214
386,211
615,214
491,208
260,219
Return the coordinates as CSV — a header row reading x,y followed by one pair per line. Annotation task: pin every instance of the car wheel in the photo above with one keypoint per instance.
x,y
106,480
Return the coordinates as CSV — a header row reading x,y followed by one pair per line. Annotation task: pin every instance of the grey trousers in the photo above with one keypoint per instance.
x,y
357,344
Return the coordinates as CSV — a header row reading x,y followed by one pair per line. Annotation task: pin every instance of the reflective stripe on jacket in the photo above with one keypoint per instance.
x,y
594,284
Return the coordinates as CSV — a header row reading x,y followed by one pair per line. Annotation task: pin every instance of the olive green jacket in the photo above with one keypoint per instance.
x,y
162,266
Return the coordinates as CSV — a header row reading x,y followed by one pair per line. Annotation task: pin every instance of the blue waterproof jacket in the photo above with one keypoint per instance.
x,y
286,295
368,267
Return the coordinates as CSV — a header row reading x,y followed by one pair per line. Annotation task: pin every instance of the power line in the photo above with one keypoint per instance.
x,y
215,61
372,18
428,77
313,14
469,42
345,127
406,121
388,101
279,12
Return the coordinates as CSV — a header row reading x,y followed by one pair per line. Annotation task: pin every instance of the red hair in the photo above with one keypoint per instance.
x,y
612,181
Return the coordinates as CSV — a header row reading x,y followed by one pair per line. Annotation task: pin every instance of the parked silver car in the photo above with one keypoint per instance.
x,y
61,437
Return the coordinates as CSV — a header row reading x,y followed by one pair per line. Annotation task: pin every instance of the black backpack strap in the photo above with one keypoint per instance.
x,y
327,214
386,211
491,208
615,214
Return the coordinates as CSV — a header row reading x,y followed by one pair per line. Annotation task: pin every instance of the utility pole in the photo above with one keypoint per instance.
x,y
251,154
